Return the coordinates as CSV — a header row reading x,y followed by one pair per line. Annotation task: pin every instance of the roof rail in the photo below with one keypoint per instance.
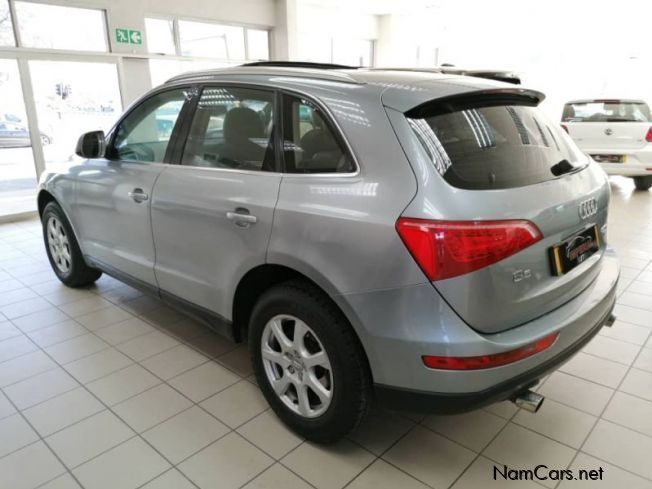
x,y
302,64
290,70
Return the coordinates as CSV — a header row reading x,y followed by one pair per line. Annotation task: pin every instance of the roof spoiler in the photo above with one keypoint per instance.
x,y
476,99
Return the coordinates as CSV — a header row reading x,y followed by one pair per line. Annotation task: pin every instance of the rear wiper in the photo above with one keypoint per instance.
x,y
562,168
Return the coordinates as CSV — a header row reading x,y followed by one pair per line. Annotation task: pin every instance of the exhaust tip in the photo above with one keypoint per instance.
x,y
529,400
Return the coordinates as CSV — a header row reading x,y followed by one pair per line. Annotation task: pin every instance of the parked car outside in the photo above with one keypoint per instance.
x,y
14,135
426,241
617,133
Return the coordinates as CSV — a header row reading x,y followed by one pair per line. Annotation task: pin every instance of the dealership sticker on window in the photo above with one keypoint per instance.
x,y
128,36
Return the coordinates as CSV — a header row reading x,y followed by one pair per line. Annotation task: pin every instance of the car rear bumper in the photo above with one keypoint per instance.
x,y
638,162
447,403
397,327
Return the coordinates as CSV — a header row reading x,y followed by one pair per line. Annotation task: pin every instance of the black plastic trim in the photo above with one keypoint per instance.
x,y
212,319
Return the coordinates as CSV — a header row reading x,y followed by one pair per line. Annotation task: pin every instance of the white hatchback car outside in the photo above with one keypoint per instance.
x,y
616,133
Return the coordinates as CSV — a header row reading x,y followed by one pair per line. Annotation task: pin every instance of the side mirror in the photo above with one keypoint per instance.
x,y
91,145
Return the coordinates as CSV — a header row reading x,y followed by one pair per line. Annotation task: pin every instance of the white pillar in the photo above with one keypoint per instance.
x,y
285,34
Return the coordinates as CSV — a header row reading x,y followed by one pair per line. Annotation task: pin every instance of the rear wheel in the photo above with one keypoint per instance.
x,y
643,183
63,250
308,362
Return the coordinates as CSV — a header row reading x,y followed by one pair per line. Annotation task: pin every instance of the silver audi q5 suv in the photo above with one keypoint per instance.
x,y
428,241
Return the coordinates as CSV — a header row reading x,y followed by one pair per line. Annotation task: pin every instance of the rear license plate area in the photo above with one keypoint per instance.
x,y
573,251
610,158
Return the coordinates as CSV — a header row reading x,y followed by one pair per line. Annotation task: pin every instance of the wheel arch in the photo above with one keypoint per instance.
x,y
260,279
43,199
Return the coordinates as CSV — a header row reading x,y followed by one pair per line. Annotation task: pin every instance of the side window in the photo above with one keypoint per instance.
x,y
145,133
309,142
232,128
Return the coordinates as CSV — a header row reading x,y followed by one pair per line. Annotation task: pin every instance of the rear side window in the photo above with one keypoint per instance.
x,y
310,145
485,146
606,111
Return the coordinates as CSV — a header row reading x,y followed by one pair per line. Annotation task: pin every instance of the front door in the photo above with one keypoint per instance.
x,y
114,194
212,213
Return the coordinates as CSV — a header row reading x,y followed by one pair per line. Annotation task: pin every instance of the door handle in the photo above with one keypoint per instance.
x,y
241,217
138,195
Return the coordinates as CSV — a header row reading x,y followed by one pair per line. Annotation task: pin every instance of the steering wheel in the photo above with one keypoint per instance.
x,y
136,152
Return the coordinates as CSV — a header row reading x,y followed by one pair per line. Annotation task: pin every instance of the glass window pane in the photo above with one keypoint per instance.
x,y
309,143
73,98
211,40
160,36
17,172
232,128
258,44
6,30
55,27
145,133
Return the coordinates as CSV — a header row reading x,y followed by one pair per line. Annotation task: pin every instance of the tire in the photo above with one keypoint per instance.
x,y
643,183
294,304
63,250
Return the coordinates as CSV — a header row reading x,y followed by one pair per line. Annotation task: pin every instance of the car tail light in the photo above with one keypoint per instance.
x,y
489,361
445,249
648,136
564,127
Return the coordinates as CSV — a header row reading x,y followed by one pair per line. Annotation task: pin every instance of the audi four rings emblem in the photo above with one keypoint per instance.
x,y
588,208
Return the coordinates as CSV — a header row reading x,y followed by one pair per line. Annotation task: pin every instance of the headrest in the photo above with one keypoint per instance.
x,y
242,123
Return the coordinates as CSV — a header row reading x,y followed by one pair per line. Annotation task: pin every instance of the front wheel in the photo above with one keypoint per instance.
x,y
643,183
308,362
63,250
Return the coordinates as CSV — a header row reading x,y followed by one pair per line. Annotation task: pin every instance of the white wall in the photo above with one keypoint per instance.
x,y
567,49
318,24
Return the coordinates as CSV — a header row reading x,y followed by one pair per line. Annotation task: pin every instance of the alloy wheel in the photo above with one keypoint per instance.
x,y
297,366
59,245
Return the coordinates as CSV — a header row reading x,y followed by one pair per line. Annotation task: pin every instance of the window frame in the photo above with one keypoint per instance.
x,y
191,106
331,124
177,157
172,148
20,42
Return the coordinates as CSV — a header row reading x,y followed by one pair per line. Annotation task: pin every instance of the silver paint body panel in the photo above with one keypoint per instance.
x,y
339,231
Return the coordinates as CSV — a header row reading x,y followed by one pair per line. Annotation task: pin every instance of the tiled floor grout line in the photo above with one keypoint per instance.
x,y
109,408
216,359
42,440
600,417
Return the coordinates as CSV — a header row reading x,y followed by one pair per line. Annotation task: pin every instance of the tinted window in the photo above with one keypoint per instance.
x,y
494,147
309,143
232,128
145,133
606,111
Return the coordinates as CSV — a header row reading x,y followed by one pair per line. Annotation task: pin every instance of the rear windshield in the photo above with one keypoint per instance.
x,y
606,111
495,146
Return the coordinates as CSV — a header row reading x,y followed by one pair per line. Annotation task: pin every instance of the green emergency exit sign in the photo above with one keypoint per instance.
x,y
128,36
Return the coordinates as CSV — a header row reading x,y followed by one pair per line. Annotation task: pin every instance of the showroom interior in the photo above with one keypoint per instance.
x,y
106,386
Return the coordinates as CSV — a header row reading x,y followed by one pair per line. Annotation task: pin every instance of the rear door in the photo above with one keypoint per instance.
x,y
212,212
500,160
114,193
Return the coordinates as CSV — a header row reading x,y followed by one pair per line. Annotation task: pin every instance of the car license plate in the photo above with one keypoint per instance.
x,y
610,158
573,251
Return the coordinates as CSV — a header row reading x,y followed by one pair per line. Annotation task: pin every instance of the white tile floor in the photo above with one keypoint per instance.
x,y
107,388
